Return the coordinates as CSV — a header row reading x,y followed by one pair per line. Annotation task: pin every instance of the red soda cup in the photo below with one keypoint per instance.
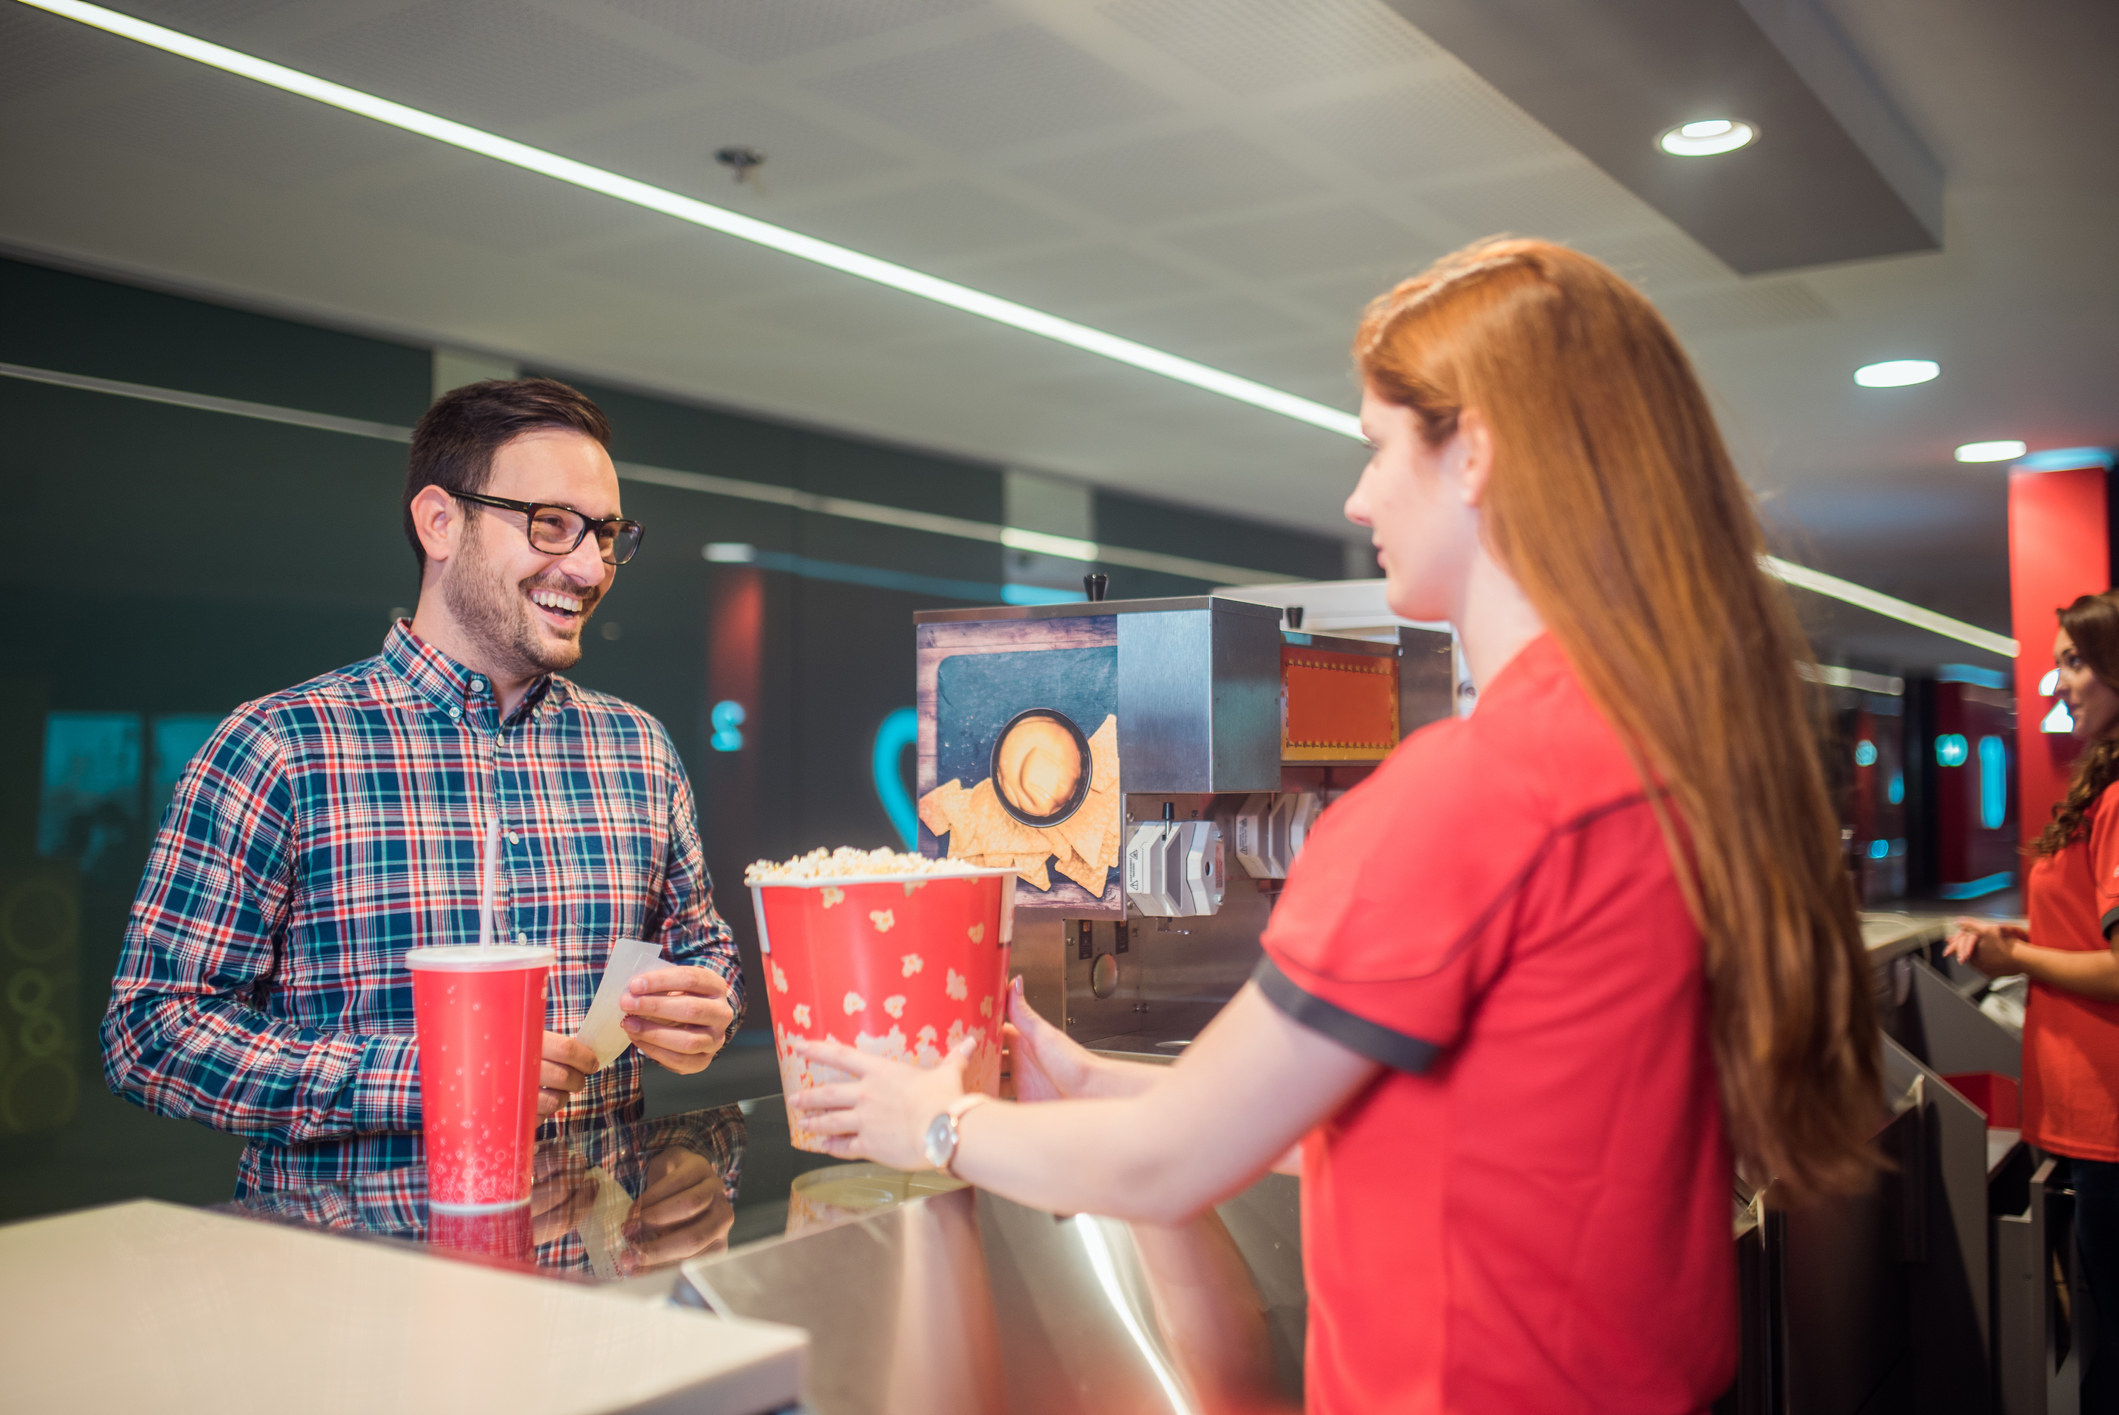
x,y
479,1015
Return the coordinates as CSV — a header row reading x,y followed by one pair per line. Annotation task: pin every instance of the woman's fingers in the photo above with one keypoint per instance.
x,y
837,1096
835,1122
846,1058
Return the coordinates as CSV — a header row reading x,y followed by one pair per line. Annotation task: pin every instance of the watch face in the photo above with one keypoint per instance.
x,y
941,1146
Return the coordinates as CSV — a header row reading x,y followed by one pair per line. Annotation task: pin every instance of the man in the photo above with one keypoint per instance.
x,y
327,829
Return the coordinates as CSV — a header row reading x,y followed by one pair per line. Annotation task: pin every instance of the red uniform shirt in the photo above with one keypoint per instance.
x,y
1531,1208
2071,1043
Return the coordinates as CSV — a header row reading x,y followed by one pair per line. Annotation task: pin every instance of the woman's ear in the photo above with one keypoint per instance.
x,y
1475,455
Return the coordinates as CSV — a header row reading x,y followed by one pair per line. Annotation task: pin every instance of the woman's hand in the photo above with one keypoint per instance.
x,y
1988,946
1047,1064
883,1113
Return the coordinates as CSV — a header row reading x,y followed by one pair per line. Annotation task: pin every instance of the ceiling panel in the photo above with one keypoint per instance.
x,y
1293,244
763,31
505,209
675,147
993,90
936,220
1438,123
1171,177
1078,280
1263,46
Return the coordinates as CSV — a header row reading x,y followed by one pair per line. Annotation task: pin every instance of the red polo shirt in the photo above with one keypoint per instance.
x,y
2071,1042
1530,1209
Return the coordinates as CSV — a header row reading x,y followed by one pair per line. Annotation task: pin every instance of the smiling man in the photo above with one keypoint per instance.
x,y
324,831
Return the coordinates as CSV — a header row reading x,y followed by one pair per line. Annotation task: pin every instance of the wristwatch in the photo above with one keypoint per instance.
x,y
942,1136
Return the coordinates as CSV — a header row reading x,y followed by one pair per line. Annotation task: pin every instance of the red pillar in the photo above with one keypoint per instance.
x,y
2060,547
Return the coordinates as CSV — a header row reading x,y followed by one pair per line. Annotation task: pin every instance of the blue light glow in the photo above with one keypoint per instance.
x,y
1973,888
1038,594
727,720
1951,749
1993,782
1879,849
1966,673
898,732
2067,459
1896,792
1865,753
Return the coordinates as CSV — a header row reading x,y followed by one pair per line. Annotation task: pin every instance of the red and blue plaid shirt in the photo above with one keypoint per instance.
x,y
324,831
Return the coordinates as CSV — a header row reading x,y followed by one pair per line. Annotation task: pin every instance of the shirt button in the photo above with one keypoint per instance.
x,y
454,713
514,839
521,937
478,685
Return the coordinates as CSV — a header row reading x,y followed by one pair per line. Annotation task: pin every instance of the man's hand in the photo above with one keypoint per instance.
x,y
566,1068
682,1211
678,1016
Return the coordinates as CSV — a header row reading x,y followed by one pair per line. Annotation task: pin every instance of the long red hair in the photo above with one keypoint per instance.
x,y
1614,504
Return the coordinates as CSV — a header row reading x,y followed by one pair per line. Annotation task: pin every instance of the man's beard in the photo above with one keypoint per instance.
x,y
496,616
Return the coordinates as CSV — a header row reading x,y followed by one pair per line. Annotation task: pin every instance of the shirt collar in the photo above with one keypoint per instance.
x,y
459,691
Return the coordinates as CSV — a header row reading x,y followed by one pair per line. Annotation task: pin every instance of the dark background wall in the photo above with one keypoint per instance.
x,y
171,562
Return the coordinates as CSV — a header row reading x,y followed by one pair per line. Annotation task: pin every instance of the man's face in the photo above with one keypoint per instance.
x,y
526,608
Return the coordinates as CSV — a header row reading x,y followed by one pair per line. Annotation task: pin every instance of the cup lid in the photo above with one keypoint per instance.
x,y
469,957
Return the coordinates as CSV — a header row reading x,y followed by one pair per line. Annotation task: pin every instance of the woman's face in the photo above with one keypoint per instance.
x,y
2092,702
1420,505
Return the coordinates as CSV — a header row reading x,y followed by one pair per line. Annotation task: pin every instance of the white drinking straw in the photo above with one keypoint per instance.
x,y
485,892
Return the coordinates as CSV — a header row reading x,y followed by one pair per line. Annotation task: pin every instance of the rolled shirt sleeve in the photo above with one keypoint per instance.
x,y
183,1035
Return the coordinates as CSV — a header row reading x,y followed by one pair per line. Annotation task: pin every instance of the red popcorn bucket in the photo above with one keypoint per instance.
x,y
479,1015
904,966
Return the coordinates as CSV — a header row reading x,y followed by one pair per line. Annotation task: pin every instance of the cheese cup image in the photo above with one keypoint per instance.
x,y
898,955
1041,767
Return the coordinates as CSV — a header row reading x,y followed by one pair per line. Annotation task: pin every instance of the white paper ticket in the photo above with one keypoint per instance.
x,y
603,1031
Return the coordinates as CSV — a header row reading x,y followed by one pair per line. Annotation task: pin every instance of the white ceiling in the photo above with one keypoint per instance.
x,y
1226,179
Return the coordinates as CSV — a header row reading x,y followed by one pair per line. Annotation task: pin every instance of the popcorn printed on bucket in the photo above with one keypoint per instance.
x,y
801,1014
912,963
956,986
833,895
977,933
883,919
895,1006
779,978
986,1006
853,1003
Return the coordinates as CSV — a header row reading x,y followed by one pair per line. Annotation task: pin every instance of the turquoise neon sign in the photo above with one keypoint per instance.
x,y
1993,782
897,732
727,722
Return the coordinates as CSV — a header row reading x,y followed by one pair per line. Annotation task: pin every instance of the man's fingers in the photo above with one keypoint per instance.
x,y
685,1009
551,1102
686,1041
570,1052
554,1077
703,981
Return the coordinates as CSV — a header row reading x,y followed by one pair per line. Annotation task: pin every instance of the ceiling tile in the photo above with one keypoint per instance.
x,y
1741,307
1080,279
992,90
920,225
1434,125
1187,325
689,267
1343,296
1252,46
761,31
676,149
1565,199
504,209
210,17
40,52
1657,259
1160,179
494,62
1306,242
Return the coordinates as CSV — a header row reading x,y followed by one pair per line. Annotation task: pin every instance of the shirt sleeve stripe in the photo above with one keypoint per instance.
x,y
1357,1034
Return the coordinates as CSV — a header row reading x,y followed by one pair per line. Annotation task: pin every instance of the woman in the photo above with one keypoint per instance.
x,y
2071,1026
1525,979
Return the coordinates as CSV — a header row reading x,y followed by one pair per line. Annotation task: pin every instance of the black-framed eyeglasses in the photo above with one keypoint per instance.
x,y
557,530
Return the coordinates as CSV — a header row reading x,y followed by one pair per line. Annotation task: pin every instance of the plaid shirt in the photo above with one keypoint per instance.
x,y
327,829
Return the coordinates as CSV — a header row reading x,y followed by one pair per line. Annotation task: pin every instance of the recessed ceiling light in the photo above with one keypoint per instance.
x,y
1707,137
1896,373
2005,450
918,283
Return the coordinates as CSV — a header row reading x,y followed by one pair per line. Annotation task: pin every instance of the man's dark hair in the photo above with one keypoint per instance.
x,y
453,446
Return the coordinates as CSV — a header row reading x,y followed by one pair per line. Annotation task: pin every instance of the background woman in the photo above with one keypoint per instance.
x,y
2071,1023
1528,976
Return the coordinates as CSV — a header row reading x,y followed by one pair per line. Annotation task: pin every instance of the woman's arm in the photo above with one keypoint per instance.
x,y
2002,950
1253,1083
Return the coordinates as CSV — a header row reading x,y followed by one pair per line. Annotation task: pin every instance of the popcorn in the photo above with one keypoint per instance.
x,y
977,933
895,1005
853,1003
801,1014
883,919
912,963
956,986
847,863
779,978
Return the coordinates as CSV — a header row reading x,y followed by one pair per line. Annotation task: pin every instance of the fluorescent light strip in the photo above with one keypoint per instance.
x,y
1891,607
715,218
882,272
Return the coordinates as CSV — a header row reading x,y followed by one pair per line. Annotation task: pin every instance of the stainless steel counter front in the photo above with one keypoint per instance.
x,y
919,1294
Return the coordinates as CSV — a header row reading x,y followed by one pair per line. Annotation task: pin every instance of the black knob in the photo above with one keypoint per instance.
x,y
1293,614
1094,586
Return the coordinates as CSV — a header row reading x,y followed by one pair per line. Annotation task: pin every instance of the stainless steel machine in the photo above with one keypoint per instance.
x,y
1152,767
